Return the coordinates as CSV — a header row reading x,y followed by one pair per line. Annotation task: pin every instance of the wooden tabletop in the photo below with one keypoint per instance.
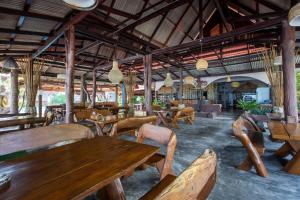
x,y
72,171
20,120
282,131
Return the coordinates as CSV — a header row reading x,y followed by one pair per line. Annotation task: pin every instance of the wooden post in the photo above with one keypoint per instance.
x,y
83,95
69,84
117,86
40,105
14,95
124,98
181,86
288,38
94,89
147,83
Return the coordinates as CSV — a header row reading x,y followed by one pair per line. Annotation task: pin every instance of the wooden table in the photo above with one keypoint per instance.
x,y
290,133
74,171
109,121
162,115
21,121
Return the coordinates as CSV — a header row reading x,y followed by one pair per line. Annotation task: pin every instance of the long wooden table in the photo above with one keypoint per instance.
x,y
20,121
290,133
74,171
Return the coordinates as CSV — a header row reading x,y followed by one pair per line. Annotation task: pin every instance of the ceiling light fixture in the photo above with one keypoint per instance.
x,y
82,5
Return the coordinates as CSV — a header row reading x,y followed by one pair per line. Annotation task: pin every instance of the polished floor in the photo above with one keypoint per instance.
x,y
232,184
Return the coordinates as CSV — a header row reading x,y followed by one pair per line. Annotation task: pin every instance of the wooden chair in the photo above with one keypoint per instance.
x,y
254,144
187,114
42,137
84,114
164,136
131,125
195,182
156,107
254,124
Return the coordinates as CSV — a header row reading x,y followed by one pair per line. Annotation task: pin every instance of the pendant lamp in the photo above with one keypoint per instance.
x,y
228,79
168,81
115,75
82,5
294,15
201,63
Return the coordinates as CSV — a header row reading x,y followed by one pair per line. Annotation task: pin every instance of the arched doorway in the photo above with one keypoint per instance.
x,y
246,88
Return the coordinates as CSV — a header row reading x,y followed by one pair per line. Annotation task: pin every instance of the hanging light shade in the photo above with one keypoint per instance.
x,y
189,80
82,5
228,79
9,63
201,64
278,60
168,81
61,76
235,84
294,15
115,75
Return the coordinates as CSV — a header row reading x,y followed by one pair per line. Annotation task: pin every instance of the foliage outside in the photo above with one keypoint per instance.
x,y
58,99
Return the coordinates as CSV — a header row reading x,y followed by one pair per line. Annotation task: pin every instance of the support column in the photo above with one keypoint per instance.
x,y
124,96
288,38
83,95
181,86
69,84
117,87
94,89
14,94
148,82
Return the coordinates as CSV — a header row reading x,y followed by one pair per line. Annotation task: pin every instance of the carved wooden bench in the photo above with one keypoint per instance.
x,y
163,136
253,143
196,182
187,114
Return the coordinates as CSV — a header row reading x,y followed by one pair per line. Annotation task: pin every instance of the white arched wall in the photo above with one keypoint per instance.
x,y
261,76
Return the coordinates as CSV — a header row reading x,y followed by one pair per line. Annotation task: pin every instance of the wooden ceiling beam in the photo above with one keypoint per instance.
x,y
58,33
270,5
150,16
10,11
117,12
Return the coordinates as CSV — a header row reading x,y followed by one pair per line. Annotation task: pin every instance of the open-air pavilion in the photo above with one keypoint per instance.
x,y
149,99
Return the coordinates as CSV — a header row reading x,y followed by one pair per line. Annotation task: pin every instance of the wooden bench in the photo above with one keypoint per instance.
x,y
42,137
195,182
254,144
163,136
131,125
187,114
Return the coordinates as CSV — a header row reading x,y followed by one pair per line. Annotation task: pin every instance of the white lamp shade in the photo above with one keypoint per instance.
x,y
115,75
228,79
201,64
82,5
61,76
189,80
294,15
278,60
235,84
168,81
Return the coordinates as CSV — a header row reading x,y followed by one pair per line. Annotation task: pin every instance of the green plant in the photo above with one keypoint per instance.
x,y
261,111
247,105
58,99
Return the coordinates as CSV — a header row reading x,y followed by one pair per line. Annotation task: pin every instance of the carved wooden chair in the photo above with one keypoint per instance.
x,y
254,124
131,125
187,114
42,137
195,182
254,144
164,136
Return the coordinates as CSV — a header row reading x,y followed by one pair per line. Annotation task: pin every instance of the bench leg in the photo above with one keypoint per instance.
x,y
284,150
293,166
246,164
115,190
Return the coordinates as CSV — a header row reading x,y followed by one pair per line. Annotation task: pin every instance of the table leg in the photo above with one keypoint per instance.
x,y
293,166
163,119
115,190
284,150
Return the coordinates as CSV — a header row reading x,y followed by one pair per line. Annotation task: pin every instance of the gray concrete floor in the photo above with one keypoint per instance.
x,y
231,182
